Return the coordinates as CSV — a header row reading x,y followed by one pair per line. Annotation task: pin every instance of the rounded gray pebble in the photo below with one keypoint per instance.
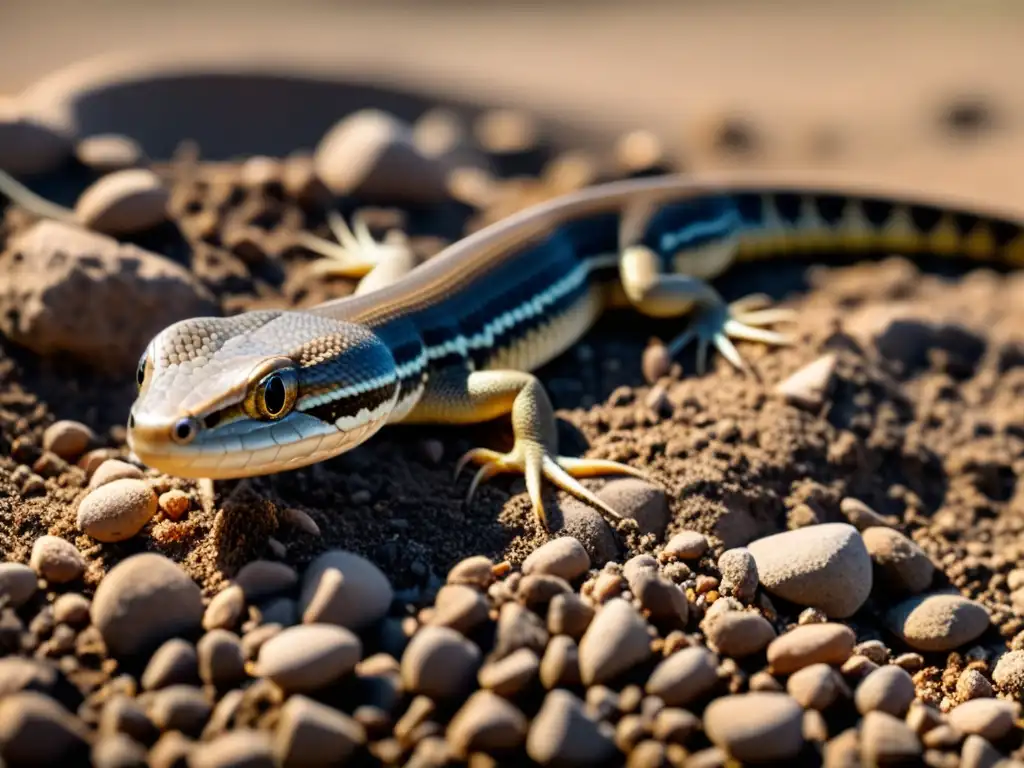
x,y
615,642
174,663
312,734
887,689
739,633
57,560
938,622
563,556
563,734
439,662
18,583
346,589
756,726
684,676
309,657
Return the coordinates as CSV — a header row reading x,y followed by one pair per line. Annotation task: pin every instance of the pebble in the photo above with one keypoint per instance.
x,y
221,663
174,503
118,750
570,615
684,676
57,560
564,557
72,609
124,714
822,566
978,753
639,500
588,526
561,663
241,748
615,642
887,740
117,511
485,723
563,734
144,600
28,146
1009,673
808,387
886,689
108,152
460,607
990,718
476,571
346,589
816,686
899,562
36,730
18,583
686,545
739,573
510,675
972,684
261,579
828,643
309,657
663,600
226,609
738,633
860,515
312,734
655,362
756,727
176,662
938,622
68,439
372,154
85,295
114,469
124,202
439,662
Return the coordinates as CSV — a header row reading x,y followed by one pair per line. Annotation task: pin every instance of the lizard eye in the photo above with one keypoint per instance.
x,y
274,395
140,370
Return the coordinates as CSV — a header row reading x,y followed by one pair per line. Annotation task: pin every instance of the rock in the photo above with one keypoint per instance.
x,y
738,633
569,615
564,557
173,503
561,663
56,560
900,563
615,642
176,662
860,515
510,675
312,734
113,469
756,727
639,500
171,750
588,526
662,600
978,753
739,574
972,684
68,439
18,583
71,609
346,589
109,152
226,609
309,657
118,751
887,689
371,153
684,676
816,686
485,723
124,714
1009,674
828,643
476,571
808,387
460,607
221,663
686,545
124,203
80,293
261,579
440,663
28,146
822,566
563,734
990,718
938,622
117,511
886,740
37,730
144,600
241,748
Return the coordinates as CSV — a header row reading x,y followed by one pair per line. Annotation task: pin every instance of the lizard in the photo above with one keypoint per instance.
x,y
456,339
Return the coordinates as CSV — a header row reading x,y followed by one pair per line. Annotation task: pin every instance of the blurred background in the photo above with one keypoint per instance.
x,y
925,90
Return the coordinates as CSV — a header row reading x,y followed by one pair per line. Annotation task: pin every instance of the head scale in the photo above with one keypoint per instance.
x,y
258,393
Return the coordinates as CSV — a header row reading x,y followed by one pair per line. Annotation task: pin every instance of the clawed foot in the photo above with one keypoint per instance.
x,y
743,319
533,461
357,252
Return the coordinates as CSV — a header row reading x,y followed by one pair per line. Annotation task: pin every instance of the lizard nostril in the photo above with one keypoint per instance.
x,y
185,430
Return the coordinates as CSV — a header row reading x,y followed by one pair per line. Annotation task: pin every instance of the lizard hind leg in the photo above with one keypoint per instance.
x,y
535,452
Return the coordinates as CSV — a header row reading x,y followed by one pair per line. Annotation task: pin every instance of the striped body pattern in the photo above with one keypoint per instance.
x,y
509,297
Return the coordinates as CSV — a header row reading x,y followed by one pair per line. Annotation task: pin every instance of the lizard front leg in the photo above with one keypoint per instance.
x,y
658,294
484,395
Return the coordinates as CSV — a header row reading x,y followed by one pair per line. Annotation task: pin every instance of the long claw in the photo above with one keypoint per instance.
x,y
596,467
534,472
750,303
486,472
476,456
729,351
766,316
570,484
679,343
739,330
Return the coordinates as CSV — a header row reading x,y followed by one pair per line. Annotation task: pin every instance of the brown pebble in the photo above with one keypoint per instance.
x,y
563,734
174,503
938,622
124,202
561,663
476,571
182,708
972,684
71,609
18,583
114,469
57,560
171,751
510,675
309,657
346,589
638,500
684,677
887,689
739,633
674,726
243,747
686,545
143,600
808,387
124,714
68,439
460,607
108,152
756,726
829,643
739,573
655,362
485,723
261,579
226,609
990,718
615,642
118,750
886,740
439,662
117,510
308,733
174,663
899,562
569,615
221,663
816,686
977,752
36,730
662,600
860,515
563,556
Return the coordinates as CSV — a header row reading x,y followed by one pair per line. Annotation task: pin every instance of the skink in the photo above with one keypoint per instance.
x,y
454,340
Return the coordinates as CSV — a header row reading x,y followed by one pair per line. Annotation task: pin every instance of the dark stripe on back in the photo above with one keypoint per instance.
x,y
830,208
787,205
351,406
